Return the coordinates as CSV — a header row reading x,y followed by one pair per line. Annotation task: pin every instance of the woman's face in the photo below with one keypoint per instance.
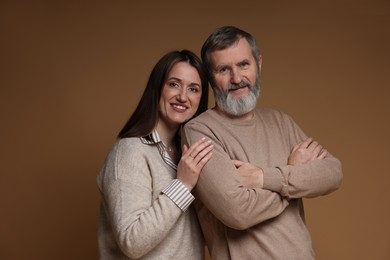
x,y
180,95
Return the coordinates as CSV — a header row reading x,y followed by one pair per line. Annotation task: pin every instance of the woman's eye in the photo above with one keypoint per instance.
x,y
173,84
194,89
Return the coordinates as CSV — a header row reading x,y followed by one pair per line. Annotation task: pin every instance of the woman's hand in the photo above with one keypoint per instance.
x,y
192,161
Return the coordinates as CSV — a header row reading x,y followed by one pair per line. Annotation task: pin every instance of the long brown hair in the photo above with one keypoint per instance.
x,y
145,117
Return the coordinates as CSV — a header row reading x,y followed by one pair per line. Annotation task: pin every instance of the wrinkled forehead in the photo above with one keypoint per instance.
x,y
237,52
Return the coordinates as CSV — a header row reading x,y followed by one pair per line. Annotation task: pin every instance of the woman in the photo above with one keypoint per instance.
x,y
146,180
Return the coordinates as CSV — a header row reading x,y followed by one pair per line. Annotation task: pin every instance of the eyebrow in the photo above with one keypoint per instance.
x,y
180,80
217,68
243,62
238,63
174,78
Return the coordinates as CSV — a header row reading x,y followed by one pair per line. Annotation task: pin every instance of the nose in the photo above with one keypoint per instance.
x,y
182,95
235,76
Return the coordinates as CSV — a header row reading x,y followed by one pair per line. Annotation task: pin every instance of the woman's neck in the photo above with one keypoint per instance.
x,y
167,134
168,137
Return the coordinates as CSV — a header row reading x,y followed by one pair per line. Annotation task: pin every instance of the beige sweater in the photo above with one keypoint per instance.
x,y
137,221
240,223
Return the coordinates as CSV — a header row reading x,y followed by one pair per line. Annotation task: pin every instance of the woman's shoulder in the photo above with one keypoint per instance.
x,y
128,146
128,141
130,151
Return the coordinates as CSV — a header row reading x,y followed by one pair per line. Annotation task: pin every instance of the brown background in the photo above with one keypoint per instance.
x,y
72,72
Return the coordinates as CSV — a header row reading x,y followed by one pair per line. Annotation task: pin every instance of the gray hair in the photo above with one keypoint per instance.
x,y
221,39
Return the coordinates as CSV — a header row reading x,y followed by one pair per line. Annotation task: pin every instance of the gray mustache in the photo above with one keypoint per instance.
x,y
239,85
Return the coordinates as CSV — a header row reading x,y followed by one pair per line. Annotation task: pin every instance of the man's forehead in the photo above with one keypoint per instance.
x,y
235,53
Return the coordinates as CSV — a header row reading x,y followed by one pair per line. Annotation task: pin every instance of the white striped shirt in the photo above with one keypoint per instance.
x,y
176,190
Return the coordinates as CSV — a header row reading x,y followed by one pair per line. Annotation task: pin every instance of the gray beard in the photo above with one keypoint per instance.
x,y
241,106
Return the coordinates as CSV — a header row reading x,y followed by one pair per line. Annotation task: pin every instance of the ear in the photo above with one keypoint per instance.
x,y
260,62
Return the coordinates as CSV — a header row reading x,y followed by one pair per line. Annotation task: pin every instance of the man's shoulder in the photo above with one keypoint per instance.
x,y
202,118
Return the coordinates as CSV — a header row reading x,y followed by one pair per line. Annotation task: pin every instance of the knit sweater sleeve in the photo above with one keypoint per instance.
x,y
312,179
139,220
220,189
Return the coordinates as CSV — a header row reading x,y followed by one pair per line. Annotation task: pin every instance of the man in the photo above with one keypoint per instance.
x,y
262,149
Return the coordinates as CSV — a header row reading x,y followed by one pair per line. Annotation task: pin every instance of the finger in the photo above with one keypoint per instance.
x,y
237,163
323,154
317,150
203,153
199,146
204,160
295,148
196,144
313,145
191,148
304,144
307,142
185,148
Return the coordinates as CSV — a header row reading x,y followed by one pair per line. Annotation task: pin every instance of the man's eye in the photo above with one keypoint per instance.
x,y
244,64
224,69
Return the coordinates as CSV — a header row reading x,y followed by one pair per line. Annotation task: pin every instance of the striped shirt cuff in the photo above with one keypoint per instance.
x,y
179,194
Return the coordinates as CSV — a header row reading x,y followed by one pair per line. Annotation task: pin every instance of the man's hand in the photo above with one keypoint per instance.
x,y
252,176
306,151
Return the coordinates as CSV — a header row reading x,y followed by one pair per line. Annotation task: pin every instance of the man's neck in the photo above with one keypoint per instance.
x,y
246,116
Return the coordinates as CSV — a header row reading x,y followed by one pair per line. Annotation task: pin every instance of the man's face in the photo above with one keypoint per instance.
x,y
236,78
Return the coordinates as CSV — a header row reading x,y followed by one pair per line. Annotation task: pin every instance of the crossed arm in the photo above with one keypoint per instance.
x,y
241,194
302,153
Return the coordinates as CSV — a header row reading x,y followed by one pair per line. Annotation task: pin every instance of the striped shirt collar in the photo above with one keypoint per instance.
x,y
154,139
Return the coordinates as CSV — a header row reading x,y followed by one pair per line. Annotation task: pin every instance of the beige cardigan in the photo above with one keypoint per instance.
x,y
137,221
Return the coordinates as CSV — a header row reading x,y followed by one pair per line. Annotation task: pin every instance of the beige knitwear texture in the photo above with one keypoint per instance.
x,y
137,220
268,223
